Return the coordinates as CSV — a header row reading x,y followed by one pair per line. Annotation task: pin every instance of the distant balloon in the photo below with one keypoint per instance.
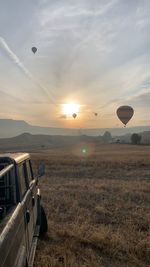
x,y
95,113
34,50
74,115
125,113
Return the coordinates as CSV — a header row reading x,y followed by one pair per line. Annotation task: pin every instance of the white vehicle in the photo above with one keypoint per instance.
x,y
22,218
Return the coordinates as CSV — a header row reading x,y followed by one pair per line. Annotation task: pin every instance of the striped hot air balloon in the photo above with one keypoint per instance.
x,y
125,113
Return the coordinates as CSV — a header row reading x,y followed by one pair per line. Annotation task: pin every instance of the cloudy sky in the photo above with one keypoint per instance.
x,y
92,52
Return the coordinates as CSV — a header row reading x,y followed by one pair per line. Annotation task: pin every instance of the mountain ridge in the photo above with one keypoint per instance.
x,y
29,142
11,128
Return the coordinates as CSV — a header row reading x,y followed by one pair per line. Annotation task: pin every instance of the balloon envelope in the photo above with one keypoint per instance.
x,y
34,49
74,115
125,114
95,113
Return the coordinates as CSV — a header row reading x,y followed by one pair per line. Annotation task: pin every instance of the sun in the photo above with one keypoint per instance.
x,y
70,108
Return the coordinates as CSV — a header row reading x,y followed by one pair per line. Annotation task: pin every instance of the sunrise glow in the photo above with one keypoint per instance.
x,y
70,108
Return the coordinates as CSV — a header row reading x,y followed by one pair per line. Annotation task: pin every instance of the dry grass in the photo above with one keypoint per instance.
x,y
98,207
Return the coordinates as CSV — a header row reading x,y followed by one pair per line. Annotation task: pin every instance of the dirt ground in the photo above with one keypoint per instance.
x,y
97,201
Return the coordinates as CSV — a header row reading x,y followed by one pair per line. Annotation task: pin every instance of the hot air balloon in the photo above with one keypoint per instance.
x,y
96,114
34,49
125,114
74,115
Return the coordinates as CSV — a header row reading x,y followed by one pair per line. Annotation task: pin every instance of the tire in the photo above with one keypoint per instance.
x,y
43,222
26,264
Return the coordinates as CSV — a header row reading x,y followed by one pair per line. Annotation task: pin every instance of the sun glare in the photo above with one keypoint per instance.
x,y
70,108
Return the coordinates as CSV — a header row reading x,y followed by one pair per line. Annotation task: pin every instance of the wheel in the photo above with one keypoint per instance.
x,y
26,264
43,222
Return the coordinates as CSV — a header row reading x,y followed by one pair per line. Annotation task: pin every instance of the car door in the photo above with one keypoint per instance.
x,y
26,198
33,189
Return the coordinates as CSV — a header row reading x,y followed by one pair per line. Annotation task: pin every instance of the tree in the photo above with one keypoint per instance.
x,y
135,139
107,137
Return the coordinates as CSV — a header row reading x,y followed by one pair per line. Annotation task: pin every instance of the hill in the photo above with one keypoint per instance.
x,y
10,128
28,141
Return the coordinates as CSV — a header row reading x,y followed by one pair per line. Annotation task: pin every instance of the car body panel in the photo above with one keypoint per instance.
x,y
18,229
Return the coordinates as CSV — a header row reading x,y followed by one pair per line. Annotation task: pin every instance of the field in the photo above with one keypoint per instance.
x,y
97,202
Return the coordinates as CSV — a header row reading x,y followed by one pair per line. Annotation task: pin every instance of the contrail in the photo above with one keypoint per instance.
x,y
20,65
14,58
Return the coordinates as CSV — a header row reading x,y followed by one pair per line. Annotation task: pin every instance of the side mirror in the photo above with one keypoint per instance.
x,y
41,169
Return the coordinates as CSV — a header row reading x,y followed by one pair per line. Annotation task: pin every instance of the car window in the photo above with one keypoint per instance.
x,y
29,172
22,178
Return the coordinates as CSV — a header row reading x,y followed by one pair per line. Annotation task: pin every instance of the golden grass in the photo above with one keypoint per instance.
x,y
98,207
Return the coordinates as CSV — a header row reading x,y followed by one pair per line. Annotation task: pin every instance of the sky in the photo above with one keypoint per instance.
x,y
92,52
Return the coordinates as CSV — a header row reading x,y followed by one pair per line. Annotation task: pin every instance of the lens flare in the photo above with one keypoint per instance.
x,y
84,151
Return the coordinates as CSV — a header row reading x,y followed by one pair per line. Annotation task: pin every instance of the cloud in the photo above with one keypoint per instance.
x,y
4,96
96,52
86,43
70,10
141,99
20,65
14,58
